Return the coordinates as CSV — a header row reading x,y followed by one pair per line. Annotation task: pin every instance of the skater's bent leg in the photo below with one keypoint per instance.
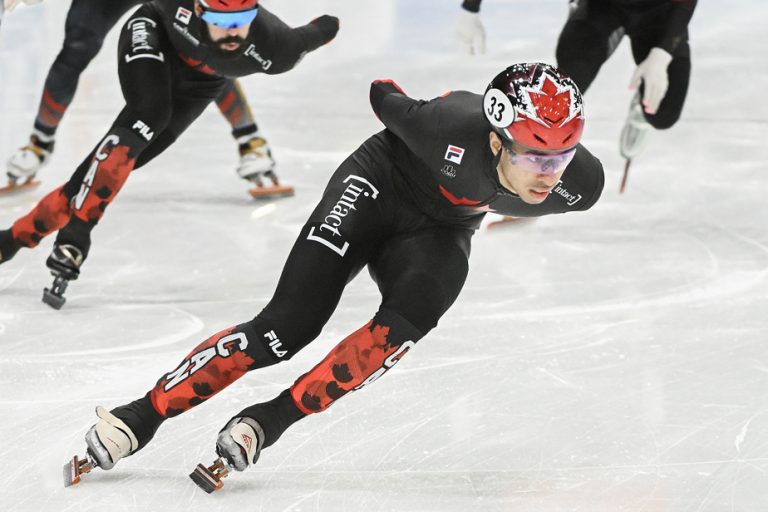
x,y
173,118
145,79
146,86
307,293
50,213
420,276
83,38
89,190
186,107
356,361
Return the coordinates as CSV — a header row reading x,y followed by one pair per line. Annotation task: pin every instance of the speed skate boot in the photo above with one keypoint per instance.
x,y
108,441
238,446
8,246
64,262
23,165
634,135
256,164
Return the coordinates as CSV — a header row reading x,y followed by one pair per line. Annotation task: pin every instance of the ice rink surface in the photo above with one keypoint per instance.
x,y
613,360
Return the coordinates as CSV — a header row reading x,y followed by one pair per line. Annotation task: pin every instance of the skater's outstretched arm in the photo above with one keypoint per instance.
x,y
290,45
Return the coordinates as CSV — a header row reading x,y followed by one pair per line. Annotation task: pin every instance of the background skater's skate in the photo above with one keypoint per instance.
x,y
272,189
258,167
24,165
633,137
15,186
64,263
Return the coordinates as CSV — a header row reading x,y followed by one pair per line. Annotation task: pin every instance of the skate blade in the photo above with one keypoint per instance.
x,y
209,478
53,299
76,467
12,188
624,177
269,191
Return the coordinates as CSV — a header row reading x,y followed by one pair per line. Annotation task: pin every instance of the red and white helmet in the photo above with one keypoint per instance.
x,y
228,5
536,105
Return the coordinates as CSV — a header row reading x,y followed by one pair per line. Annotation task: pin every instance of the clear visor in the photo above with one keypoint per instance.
x,y
539,162
228,20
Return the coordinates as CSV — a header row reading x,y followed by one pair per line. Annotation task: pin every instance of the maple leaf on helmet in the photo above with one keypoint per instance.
x,y
535,105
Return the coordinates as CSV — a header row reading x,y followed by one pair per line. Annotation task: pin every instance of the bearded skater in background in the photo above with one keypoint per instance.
x,y
406,205
658,34
175,57
87,24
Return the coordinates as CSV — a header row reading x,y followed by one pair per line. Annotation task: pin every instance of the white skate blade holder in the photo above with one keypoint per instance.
x,y
209,478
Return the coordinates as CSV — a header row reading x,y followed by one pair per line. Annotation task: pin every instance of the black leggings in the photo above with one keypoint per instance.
x,y
87,24
418,264
590,36
164,95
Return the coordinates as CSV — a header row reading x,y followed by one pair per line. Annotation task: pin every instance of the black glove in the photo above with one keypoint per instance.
x,y
328,26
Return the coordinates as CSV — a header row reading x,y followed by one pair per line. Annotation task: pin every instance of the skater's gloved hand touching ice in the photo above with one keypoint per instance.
x,y
470,32
653,74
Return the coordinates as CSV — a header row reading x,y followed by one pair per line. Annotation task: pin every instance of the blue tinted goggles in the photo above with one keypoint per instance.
x,y
234,19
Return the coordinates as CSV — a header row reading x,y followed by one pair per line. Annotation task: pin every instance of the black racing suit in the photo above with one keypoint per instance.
x,y
168,74
595,27
406,204
86,26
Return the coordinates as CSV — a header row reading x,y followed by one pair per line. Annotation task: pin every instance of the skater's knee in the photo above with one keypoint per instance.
x,y
421,299
147,119
80,47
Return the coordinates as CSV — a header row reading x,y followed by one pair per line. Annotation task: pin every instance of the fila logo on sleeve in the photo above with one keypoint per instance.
x,y
454,154
183,15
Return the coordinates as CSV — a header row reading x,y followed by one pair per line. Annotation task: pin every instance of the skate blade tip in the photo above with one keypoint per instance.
x,y
70,478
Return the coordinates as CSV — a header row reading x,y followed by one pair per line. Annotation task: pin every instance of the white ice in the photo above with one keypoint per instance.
x,y
614,360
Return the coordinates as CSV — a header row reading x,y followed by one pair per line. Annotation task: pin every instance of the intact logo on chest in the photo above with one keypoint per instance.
x,y
570,198
252,53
